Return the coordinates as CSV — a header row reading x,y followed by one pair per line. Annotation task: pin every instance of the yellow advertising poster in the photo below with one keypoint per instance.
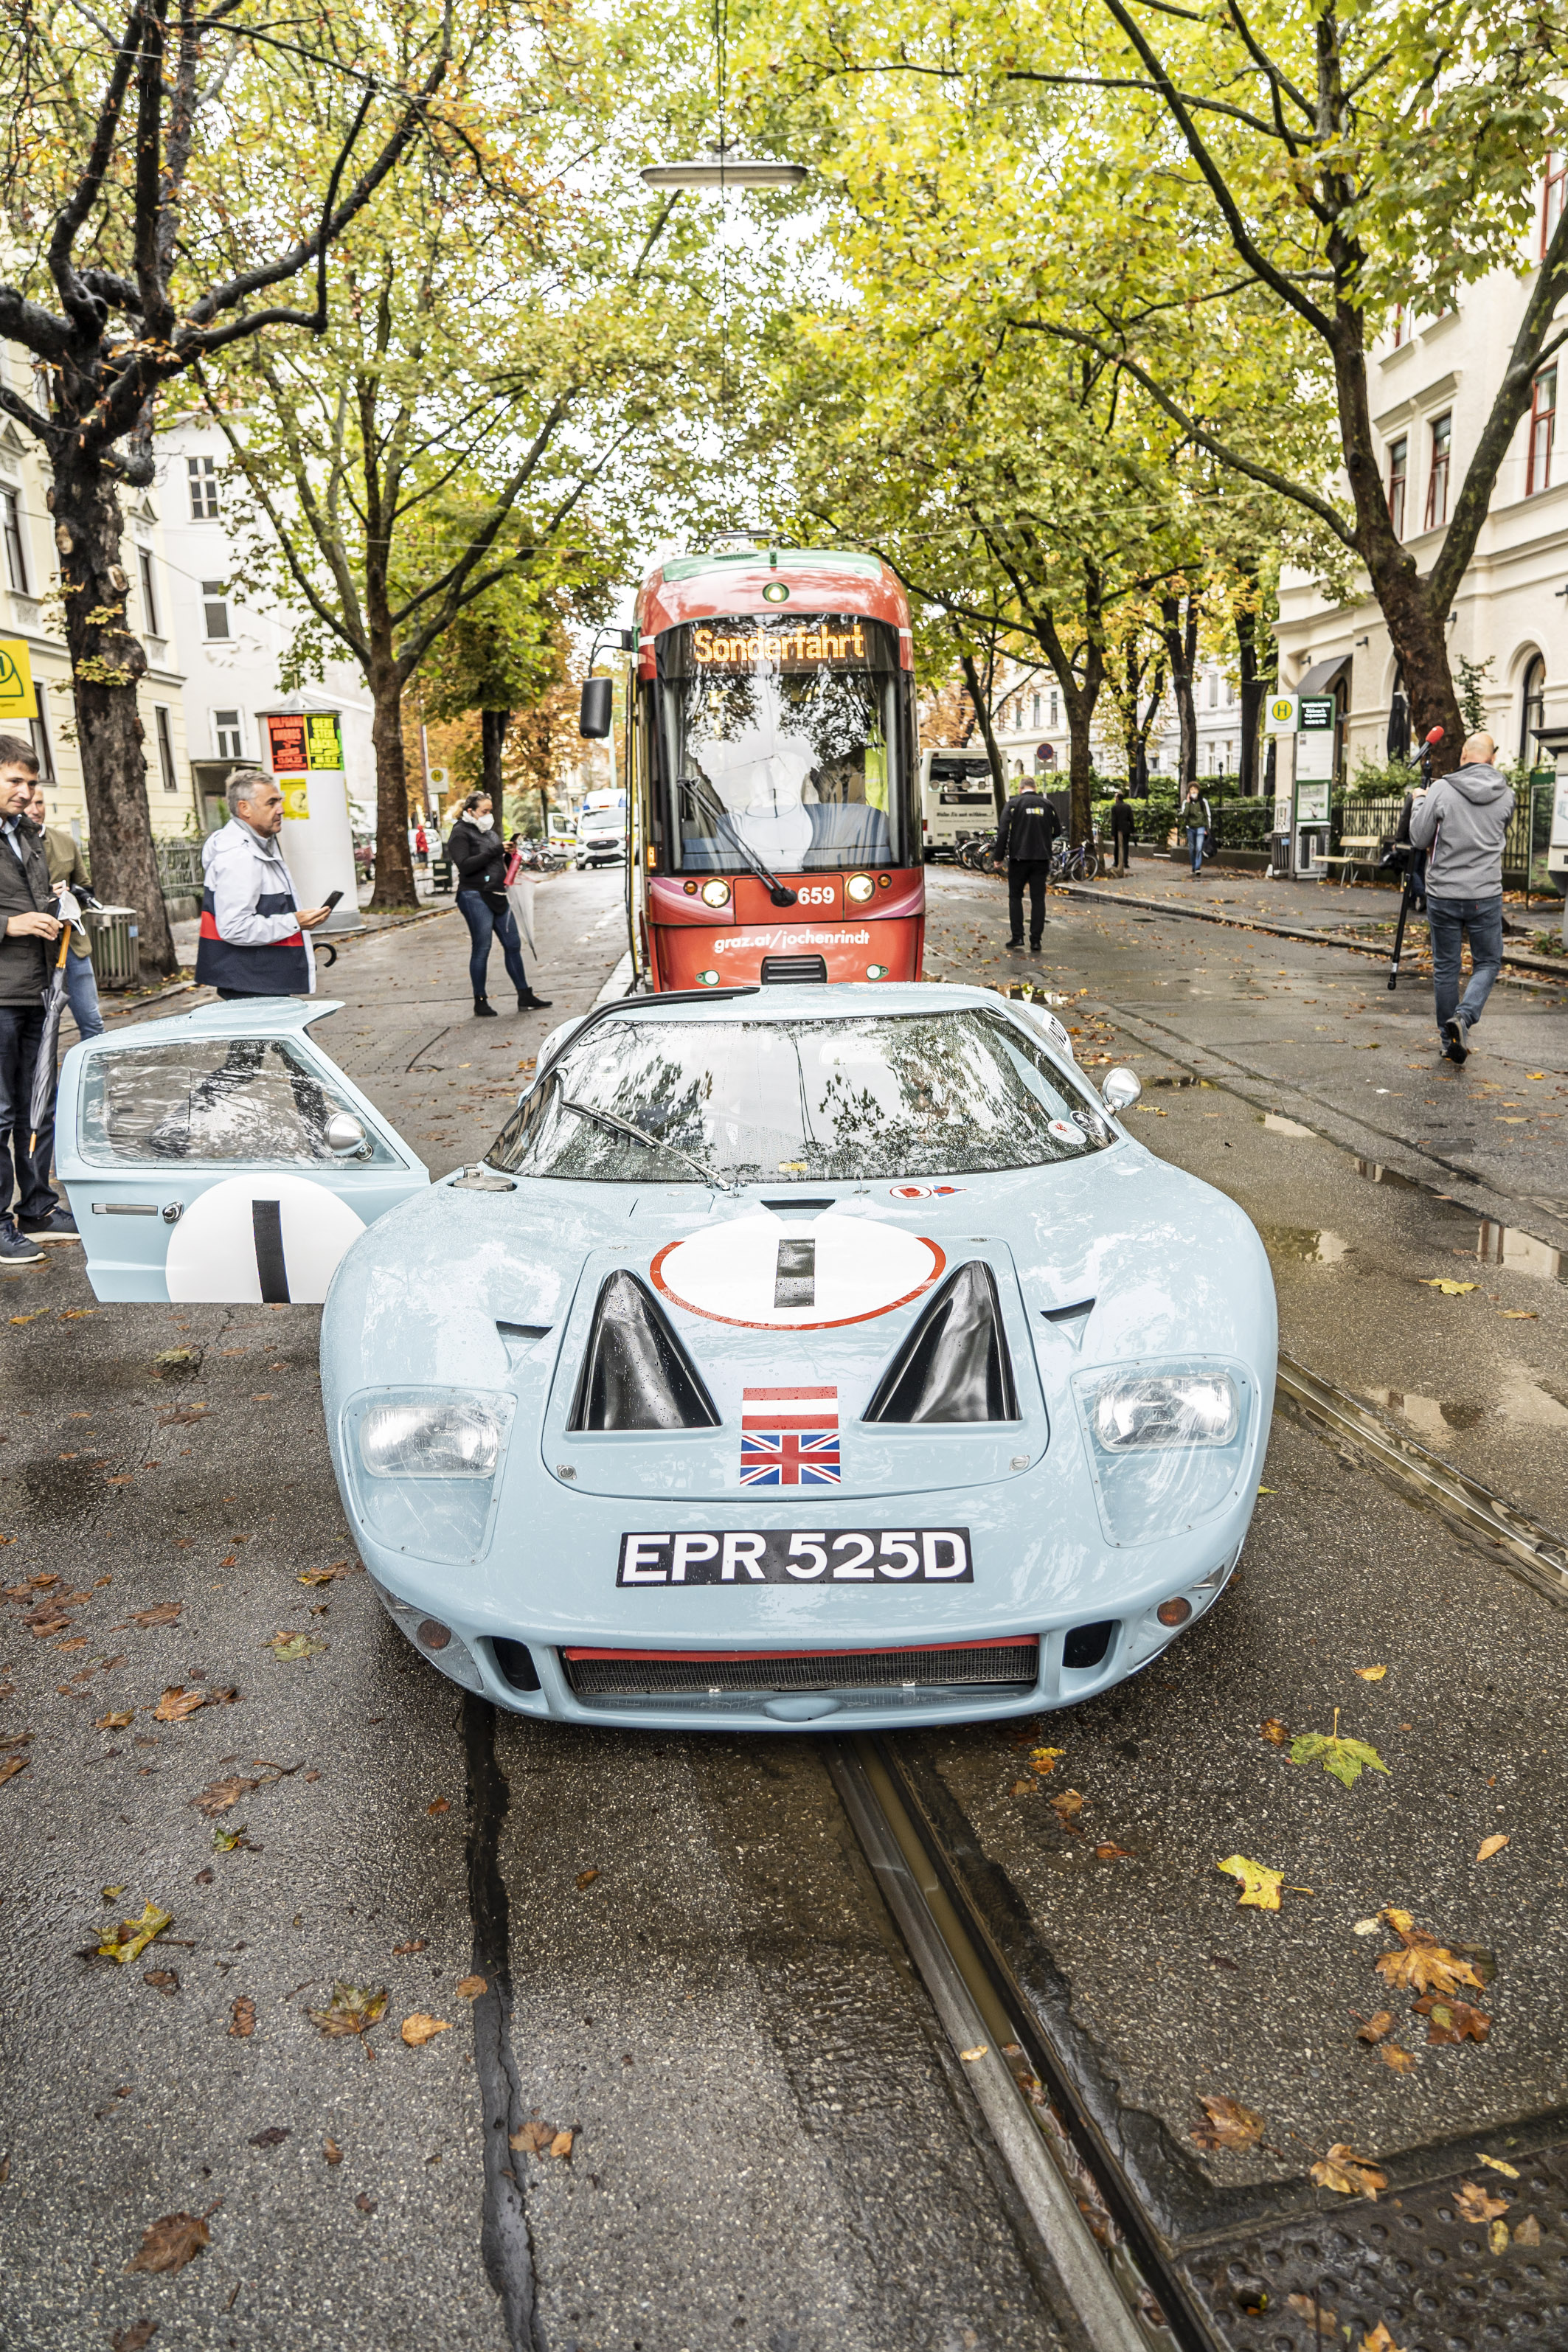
x,y
296,790
18,699
324,743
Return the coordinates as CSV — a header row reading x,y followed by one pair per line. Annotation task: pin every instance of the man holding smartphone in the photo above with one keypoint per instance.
x,y
255,938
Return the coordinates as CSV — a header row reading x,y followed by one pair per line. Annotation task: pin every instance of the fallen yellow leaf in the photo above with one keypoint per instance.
x,y
469,1988
1351,2175
969,2056
1260,1886
1497,2237
1493,1845
1043,1759
135,1934
1401,2061
562,2143
1520,1315
1497,2165
1371,1674
176,1704
1449,1289
421,2028
1478,2204
1379,2340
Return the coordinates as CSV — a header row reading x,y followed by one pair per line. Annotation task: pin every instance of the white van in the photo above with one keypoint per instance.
x,y
956,799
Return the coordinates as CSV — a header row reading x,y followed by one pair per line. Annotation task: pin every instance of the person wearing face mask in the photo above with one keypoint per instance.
x,y
478,857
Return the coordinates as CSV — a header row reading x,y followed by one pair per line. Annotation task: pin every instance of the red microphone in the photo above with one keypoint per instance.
x,y
1434,734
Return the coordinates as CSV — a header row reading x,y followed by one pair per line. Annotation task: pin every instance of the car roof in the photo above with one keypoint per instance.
x,y
811,1001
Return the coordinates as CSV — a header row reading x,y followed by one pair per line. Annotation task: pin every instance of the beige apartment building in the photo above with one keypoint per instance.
x,y
1433,383
27,580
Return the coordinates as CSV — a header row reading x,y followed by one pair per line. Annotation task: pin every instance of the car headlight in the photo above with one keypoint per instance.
x,y
422,1463
715,894
859,889
1165,1409
1167,1449
456,1438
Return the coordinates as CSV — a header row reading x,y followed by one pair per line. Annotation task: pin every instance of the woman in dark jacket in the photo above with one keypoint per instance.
x,y
476,855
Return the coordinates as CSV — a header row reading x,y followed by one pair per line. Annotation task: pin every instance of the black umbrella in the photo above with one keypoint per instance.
x,y
44,1067
1398,740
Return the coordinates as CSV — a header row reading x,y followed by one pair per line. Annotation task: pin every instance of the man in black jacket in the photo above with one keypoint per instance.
x,y
1120,832
478,857
1029,825
29,929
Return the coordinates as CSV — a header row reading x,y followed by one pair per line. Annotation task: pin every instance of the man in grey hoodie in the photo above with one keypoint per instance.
x,y
1461,820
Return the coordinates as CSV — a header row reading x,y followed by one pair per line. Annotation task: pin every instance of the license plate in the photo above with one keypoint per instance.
x,y
799,1555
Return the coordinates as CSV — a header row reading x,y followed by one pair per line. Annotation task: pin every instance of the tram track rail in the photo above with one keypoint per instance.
x,y
1138,2281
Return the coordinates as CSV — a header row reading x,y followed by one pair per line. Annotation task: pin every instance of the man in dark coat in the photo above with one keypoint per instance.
x,y
1029,825
29,929
1120,832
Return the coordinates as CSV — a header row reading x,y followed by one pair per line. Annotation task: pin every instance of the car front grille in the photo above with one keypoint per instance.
x,y
644,1674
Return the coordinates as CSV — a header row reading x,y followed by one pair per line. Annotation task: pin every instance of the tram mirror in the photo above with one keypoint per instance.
x,y
597,707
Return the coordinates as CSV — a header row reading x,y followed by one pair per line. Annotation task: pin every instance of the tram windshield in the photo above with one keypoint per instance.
x,y
785,737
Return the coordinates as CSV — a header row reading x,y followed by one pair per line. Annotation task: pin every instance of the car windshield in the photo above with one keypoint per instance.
x,y
783,738
903,1095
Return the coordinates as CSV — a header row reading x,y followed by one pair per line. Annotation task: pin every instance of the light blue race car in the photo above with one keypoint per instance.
x,y
796,1355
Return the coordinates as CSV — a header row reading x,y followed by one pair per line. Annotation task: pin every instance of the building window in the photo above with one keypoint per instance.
x,y
1398,475
215,607
1401,327
1542,431
1229,693
1214,689
11,531
1552,184
228,738
1055,719
203,476
148,600
1437,479
1532,713
1036,707
166,768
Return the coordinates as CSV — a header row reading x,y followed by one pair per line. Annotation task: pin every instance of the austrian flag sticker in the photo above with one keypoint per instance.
x,y
789,1437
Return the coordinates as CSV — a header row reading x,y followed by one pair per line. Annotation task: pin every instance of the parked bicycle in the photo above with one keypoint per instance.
x,y
1078,864
978,854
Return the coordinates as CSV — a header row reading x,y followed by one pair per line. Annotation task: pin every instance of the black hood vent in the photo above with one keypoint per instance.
x,y
954,1365
636,1373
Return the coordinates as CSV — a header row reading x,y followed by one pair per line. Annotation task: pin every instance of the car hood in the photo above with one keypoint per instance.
x,y
497,1290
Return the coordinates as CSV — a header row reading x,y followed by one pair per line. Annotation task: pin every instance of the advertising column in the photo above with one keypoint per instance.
x,y
305,753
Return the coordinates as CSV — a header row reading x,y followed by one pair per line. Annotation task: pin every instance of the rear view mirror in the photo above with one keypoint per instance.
x,y
598,707
1120,1091
345,1137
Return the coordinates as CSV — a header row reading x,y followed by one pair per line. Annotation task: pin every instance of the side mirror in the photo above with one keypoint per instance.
x,y
1120,1091
345,1137
598,707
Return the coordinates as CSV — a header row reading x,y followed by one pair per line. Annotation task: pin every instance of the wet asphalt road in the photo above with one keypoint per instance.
x,y
770,2145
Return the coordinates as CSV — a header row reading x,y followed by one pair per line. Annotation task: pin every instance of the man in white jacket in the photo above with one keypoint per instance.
x,y
255,938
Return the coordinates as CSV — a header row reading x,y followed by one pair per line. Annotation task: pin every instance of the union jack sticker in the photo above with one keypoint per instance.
x,y
789,1437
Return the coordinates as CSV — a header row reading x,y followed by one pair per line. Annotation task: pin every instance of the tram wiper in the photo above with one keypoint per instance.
x,y
779,892
656,1144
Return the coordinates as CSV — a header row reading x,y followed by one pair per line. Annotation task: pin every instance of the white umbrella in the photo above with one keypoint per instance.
x,y
520,899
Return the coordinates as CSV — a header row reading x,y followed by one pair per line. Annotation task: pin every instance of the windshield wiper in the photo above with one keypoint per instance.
x,y
640,1135
779,892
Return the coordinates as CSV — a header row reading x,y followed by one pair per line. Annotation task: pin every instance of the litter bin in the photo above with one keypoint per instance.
x,y
114,937
1279,854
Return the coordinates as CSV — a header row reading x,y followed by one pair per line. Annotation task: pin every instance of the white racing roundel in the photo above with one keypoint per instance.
x,y
781,1273
266,1238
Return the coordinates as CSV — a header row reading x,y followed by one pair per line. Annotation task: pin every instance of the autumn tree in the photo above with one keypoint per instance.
x,y
123,139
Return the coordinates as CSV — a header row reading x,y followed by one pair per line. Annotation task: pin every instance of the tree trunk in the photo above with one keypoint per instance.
x,y
1180,631
1251,698
493,725
1080,697
394,891
979,702
107,660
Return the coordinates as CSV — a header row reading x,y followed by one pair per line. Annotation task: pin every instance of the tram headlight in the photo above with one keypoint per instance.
x,y
715,894
859,888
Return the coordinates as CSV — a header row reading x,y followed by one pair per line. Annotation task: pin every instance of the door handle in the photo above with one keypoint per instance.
x,y
172,1211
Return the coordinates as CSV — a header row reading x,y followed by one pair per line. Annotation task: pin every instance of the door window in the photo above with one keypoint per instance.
x,y
221,1099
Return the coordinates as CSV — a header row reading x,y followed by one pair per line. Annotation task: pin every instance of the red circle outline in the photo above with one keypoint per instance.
x,y
835,1323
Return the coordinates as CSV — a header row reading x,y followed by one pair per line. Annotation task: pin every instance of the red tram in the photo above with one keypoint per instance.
x,y
772,779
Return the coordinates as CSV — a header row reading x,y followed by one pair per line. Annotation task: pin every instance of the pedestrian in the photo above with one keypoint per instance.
x,y
1461,820
1120,832
1198,819
255,938
62,854
421,844
30,1214
478,861
1028,827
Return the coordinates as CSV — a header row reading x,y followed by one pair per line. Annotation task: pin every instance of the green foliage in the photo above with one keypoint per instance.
x,y
1472,683
1382,780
